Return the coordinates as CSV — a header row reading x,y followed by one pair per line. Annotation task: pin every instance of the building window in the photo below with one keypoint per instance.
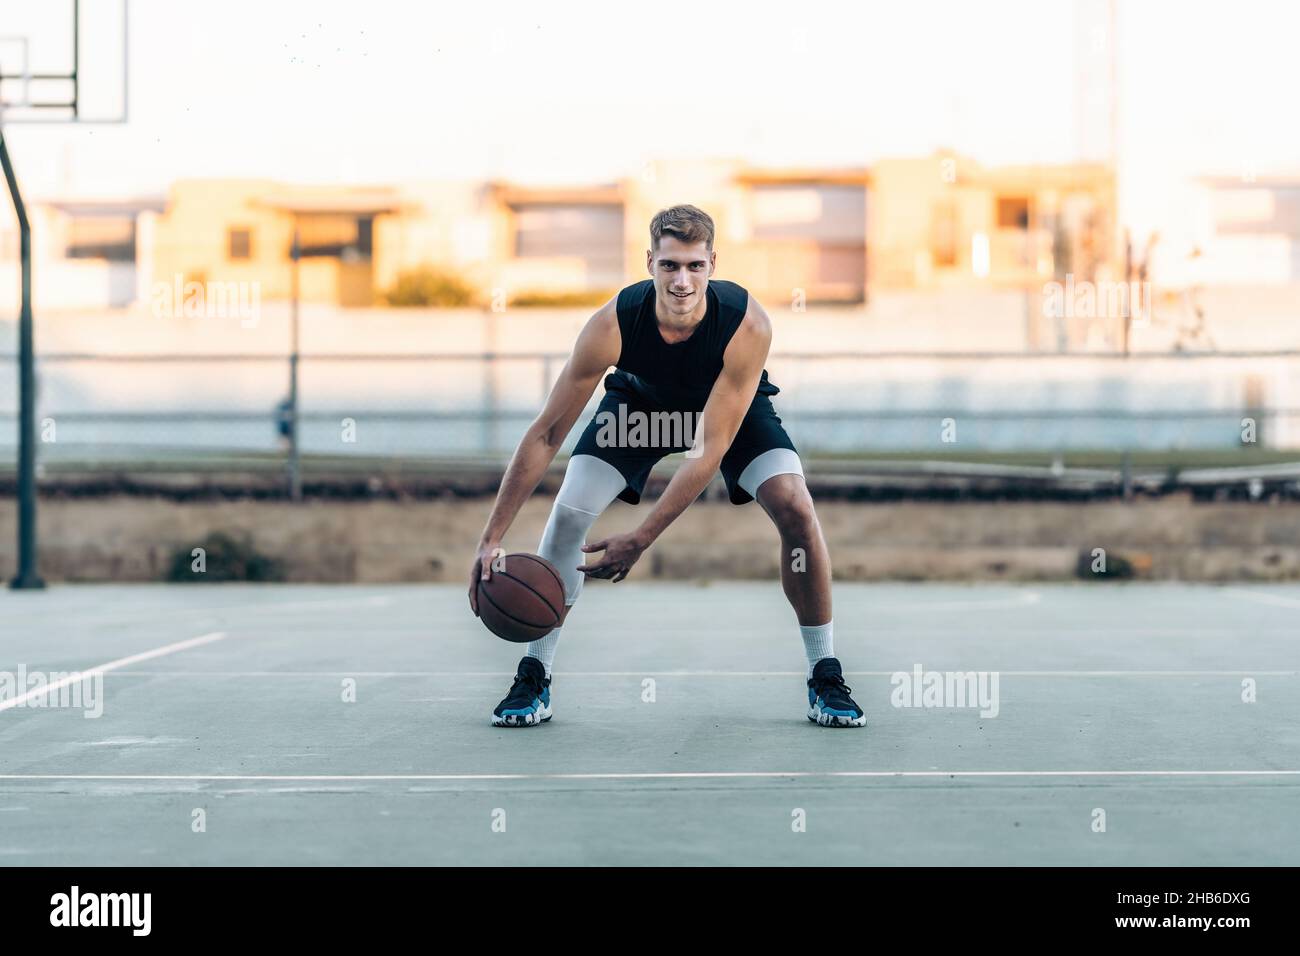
x,y
366,236
1252,211
590,232
102,237
823,213
1013,212
240,242
336,235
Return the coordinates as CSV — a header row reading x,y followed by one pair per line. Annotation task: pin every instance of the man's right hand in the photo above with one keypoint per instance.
x,y
597,348
482,570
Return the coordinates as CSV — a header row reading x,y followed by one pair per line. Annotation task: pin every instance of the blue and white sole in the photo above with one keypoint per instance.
x,y
822,719
539,716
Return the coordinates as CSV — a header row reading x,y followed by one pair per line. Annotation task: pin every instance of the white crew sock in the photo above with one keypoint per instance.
x,y
544,649
817,643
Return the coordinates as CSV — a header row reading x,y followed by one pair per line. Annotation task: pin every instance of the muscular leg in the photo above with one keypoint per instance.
x,y
785,498
787,502
775,479
589,486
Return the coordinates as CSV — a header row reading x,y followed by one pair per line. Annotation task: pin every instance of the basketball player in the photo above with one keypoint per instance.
x,y
681,344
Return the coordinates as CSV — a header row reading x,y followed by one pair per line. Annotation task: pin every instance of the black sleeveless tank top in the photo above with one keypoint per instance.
x,y
680,375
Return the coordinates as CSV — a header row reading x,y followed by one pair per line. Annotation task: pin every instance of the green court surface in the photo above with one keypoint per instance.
x,y
679,734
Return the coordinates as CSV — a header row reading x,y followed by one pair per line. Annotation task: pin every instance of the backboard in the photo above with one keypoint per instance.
x,y
63,61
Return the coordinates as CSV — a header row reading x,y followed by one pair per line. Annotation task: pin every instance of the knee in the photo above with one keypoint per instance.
x,y
567,526
561,544
791,507
581,498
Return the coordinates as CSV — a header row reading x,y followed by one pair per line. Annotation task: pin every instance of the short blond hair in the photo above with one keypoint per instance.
x,y
684,223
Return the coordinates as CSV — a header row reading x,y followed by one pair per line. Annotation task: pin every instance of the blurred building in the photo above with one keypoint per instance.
x,y
791,235
1248,230
242,231
946,221
86,254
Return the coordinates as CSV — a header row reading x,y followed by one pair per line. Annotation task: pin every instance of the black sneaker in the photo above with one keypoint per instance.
x,y
829,703
529,700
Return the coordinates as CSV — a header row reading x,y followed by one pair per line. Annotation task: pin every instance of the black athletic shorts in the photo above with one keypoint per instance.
x,y
760,431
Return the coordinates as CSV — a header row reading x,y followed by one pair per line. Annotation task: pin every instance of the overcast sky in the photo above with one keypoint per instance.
x,y
386,91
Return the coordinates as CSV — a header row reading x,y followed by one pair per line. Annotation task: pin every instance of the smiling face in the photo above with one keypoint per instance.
x,y
681,274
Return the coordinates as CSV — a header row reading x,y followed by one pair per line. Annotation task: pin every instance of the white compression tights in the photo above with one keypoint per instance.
x,y
589,486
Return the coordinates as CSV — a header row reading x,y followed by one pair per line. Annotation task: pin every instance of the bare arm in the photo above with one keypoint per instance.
x,y
596,350
725,409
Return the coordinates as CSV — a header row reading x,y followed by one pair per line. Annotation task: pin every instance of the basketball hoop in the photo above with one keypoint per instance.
x,y
63,62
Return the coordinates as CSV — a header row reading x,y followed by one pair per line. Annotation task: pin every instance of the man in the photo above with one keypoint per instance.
x,y
687,349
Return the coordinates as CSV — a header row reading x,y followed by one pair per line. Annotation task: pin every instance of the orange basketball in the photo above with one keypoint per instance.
x,y
523,600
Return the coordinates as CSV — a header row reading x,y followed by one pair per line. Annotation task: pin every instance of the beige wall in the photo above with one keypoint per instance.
x,y
134,539
190,238
450,224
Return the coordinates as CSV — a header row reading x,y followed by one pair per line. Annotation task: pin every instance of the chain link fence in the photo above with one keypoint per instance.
x,y
116,410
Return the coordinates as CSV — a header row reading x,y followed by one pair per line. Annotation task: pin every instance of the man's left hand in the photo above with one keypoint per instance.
x,y
621,552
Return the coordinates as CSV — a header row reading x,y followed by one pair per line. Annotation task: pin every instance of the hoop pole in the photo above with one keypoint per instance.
x,y
27,577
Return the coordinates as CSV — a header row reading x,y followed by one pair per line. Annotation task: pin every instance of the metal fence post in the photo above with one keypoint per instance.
x,y
27,577
295,461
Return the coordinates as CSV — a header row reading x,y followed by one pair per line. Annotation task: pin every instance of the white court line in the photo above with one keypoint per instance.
x,y
651,672
679,775
376,600
1260,597
77,677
